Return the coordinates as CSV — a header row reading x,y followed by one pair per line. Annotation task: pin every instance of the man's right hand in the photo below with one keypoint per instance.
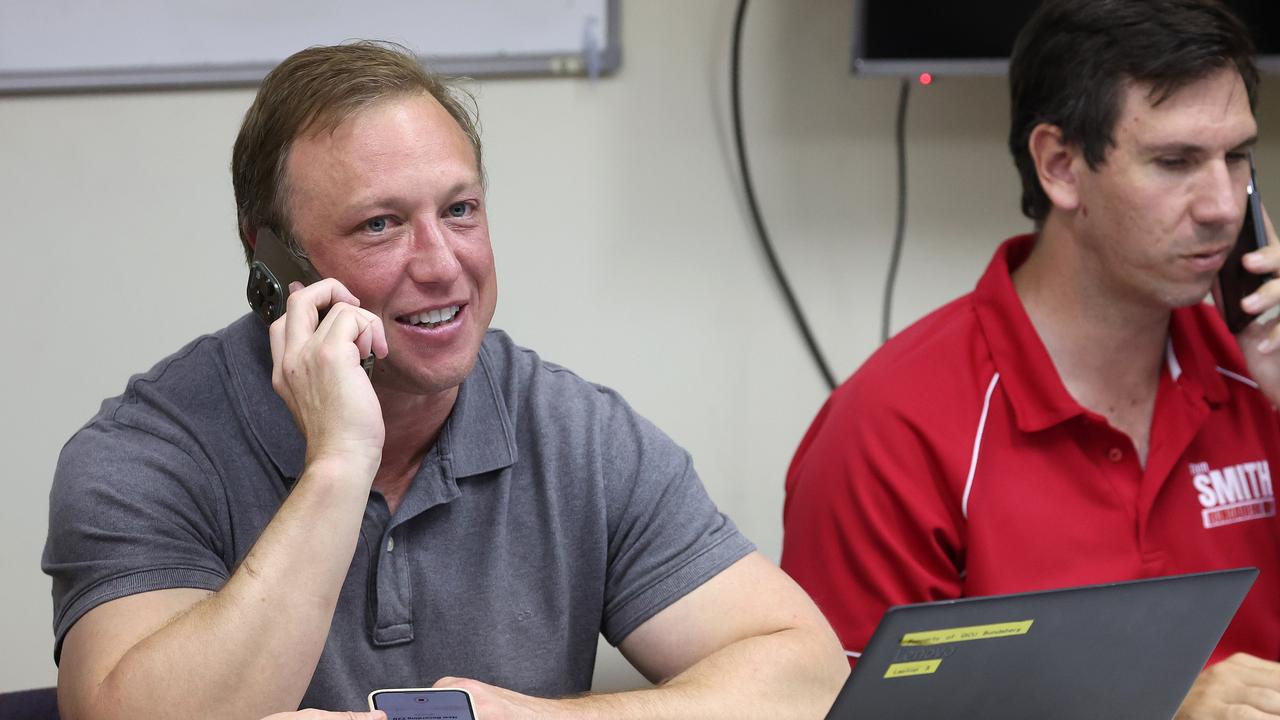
x,y
123,656
316,370
1242,686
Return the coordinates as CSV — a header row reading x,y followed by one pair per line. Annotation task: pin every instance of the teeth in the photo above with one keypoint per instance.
x,y
434,318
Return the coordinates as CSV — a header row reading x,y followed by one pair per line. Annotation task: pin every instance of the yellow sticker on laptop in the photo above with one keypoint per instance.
x,y
909,669
964,634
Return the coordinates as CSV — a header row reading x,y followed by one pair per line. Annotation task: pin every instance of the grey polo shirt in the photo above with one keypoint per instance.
x,y
547,512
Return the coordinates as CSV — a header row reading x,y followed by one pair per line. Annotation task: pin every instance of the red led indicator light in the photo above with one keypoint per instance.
x,y
926,78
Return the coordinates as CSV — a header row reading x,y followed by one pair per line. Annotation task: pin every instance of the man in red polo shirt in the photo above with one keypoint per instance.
x,y
1081,416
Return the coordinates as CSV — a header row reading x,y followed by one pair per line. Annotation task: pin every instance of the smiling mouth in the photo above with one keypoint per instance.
x,y
432,319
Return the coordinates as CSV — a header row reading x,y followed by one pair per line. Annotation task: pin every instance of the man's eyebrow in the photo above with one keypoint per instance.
x,y
1248,144
461,186
1185,148
458,188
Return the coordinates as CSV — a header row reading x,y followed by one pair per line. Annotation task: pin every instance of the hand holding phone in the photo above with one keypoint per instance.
x,y
424,704
274,267
1234,282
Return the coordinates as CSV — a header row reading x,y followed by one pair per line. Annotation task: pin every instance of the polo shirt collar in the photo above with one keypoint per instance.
x,y
477,437
1191,361
1027,374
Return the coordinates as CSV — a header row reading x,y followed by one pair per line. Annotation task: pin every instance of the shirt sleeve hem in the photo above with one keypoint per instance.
x,y
711,561
133,583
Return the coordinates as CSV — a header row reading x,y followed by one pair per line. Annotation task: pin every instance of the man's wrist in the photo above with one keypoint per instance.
x,y
341,470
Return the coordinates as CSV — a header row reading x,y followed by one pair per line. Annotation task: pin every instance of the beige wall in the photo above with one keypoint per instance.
x,y
623,243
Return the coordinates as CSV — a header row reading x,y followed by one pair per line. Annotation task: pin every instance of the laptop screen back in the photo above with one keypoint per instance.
x,y
1125,650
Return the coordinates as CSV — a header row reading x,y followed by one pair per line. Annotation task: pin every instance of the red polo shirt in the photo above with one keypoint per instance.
x,y
955,463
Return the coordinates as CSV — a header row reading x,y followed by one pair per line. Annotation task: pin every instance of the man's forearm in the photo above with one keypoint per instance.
x,y
793,673
251,648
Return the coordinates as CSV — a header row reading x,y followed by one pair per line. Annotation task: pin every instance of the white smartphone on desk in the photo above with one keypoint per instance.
x,y
424,704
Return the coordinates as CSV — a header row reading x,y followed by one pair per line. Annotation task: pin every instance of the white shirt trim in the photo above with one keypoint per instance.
x,y
852,654
1175,368
977,444
1237,376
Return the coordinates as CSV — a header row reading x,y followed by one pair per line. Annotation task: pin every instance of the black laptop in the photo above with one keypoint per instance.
x,y
1128,650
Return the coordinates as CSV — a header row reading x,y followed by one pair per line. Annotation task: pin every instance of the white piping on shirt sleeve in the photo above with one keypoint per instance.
x,y
977,444
852,654
1175,368
1237,376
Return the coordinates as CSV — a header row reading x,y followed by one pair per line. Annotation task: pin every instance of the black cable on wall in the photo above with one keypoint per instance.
x,y
900,224
735,82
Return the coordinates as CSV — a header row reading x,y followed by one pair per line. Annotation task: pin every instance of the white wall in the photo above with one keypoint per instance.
x,y
624,247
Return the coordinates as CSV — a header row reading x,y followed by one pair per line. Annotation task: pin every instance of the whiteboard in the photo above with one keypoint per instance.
x,y
58,45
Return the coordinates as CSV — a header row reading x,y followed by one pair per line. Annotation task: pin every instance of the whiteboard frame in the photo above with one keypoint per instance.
x,y
250,74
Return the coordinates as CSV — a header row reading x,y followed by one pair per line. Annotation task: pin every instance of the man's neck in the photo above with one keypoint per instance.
x,y
413,424
1108,349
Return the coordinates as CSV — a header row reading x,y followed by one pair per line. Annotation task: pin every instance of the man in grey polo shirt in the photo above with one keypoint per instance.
x,y
256,525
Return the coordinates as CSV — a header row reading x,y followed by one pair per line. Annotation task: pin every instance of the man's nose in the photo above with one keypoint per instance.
x,y
433,259
1220,196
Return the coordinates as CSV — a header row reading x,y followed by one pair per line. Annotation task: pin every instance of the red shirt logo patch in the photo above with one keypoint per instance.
x,y
1235,493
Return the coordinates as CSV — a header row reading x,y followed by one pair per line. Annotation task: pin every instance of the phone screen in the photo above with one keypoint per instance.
x,y
1234,281
423,704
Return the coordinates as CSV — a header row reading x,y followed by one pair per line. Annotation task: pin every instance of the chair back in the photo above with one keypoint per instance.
x,y
38,704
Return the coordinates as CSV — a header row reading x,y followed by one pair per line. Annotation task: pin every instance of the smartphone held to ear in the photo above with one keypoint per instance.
x,y
274,267
1234,282
424,704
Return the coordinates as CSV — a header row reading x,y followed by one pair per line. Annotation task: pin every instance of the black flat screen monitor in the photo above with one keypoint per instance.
x,y
945,37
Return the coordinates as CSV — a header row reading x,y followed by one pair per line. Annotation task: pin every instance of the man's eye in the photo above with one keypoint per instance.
x,y
1172,163
459,210
377,224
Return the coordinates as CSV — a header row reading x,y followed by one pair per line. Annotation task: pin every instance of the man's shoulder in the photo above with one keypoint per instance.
x,y
161,436
521,371
191,382
548,403
940,359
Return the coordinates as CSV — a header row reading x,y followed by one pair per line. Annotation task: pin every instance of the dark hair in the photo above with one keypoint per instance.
x,y
1073,59
314,90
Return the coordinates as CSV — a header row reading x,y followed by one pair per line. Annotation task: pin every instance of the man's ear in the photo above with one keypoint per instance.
x,y
1056,165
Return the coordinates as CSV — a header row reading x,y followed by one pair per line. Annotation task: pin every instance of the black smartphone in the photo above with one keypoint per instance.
x,y
424,704
274,266
1234,282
